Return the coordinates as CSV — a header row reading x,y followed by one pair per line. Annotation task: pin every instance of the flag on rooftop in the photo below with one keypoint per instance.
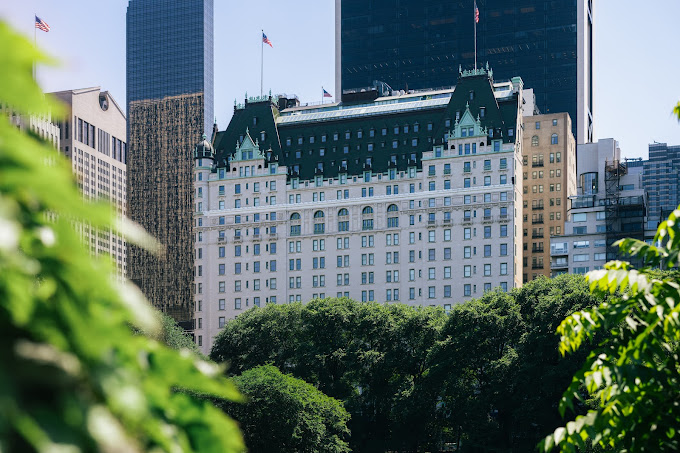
x,y
326,94
266,40
476,13
41,24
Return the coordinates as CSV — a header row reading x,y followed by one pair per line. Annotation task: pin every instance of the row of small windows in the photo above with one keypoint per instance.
x,y
405,129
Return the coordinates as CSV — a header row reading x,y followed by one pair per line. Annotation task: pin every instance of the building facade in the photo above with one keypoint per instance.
x,y
661,180
549,176
410,199
92,137
411,44
170,105
43,126
609,205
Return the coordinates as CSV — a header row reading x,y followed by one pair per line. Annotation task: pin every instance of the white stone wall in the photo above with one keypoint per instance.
x,y
413,277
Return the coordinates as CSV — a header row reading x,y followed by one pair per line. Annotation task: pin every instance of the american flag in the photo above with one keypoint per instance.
x,y
326,94
41,24
266,40
476,14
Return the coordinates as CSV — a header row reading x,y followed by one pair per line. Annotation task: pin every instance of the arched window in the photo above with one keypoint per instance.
x,y
393,222
534,140
553,139
367,224
295,216
367,210
319,225
343,212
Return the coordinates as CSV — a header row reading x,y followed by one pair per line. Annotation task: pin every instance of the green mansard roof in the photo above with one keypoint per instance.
x,y
278,132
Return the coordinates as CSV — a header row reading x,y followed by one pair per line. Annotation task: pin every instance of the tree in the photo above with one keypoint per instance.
x,y
634,372
474,361
370,356
542,373
74,375
286,414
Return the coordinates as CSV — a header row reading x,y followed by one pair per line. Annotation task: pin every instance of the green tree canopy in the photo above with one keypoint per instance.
x,y
287,415
74,375
370,356
634,372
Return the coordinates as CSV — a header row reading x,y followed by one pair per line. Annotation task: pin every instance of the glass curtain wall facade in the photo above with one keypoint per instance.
x,y
415,44
170,106
661,180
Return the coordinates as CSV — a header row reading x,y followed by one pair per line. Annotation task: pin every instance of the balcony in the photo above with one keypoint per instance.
x,y
559,263
238,238
221,239
538,250
537,164
555,251
537,221
537,266
447,171
537,235
537,208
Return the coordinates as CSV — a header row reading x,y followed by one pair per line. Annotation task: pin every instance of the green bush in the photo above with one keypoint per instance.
x,y
287,415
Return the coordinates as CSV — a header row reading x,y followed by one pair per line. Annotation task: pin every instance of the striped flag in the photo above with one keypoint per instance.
x,y
41,24
266,40
326,94
476,13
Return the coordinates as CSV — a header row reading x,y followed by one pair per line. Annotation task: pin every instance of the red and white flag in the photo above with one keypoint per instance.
x,y
41,24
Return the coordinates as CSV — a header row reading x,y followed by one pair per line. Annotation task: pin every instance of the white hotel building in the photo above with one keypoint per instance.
x,y
412,198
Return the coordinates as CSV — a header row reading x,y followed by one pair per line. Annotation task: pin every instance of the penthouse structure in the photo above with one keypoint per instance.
x,y
412,198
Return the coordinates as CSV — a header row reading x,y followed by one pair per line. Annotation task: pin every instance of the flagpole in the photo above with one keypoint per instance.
x,y
262,63
35,44
474,17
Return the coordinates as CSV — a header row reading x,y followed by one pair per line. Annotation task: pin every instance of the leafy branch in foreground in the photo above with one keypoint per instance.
x,y
634,372
74,375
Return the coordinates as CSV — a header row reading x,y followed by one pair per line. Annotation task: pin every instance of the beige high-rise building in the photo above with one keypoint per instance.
x,y
92,137
549,174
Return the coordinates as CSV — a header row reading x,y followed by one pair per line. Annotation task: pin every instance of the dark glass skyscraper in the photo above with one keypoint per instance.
x,y
415,44
661,180
170,105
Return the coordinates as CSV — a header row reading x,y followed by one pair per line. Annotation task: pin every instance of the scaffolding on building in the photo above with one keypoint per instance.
x,y
624,215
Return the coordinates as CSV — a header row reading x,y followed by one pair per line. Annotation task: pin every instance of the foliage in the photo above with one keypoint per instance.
x,y
370,356
74,376
676,110
172,335
474,360
634,372
286,414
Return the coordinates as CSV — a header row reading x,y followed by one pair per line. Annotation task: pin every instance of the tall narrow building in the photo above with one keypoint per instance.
x,y
170,106
413,44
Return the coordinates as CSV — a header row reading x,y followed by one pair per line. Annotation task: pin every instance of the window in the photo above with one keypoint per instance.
x,y
553,139
467,290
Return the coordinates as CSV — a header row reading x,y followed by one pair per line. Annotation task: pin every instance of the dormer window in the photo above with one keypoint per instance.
x,y
472,95
300,140
335,136
263,136
311,139
482,112
348,135
289,141
511,132
360,133
254,121
447,123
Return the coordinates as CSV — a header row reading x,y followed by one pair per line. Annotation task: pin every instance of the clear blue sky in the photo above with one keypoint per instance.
x,y
637,68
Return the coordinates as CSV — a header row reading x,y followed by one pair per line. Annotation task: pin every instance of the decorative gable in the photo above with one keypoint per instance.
x,y
247,149
468,126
